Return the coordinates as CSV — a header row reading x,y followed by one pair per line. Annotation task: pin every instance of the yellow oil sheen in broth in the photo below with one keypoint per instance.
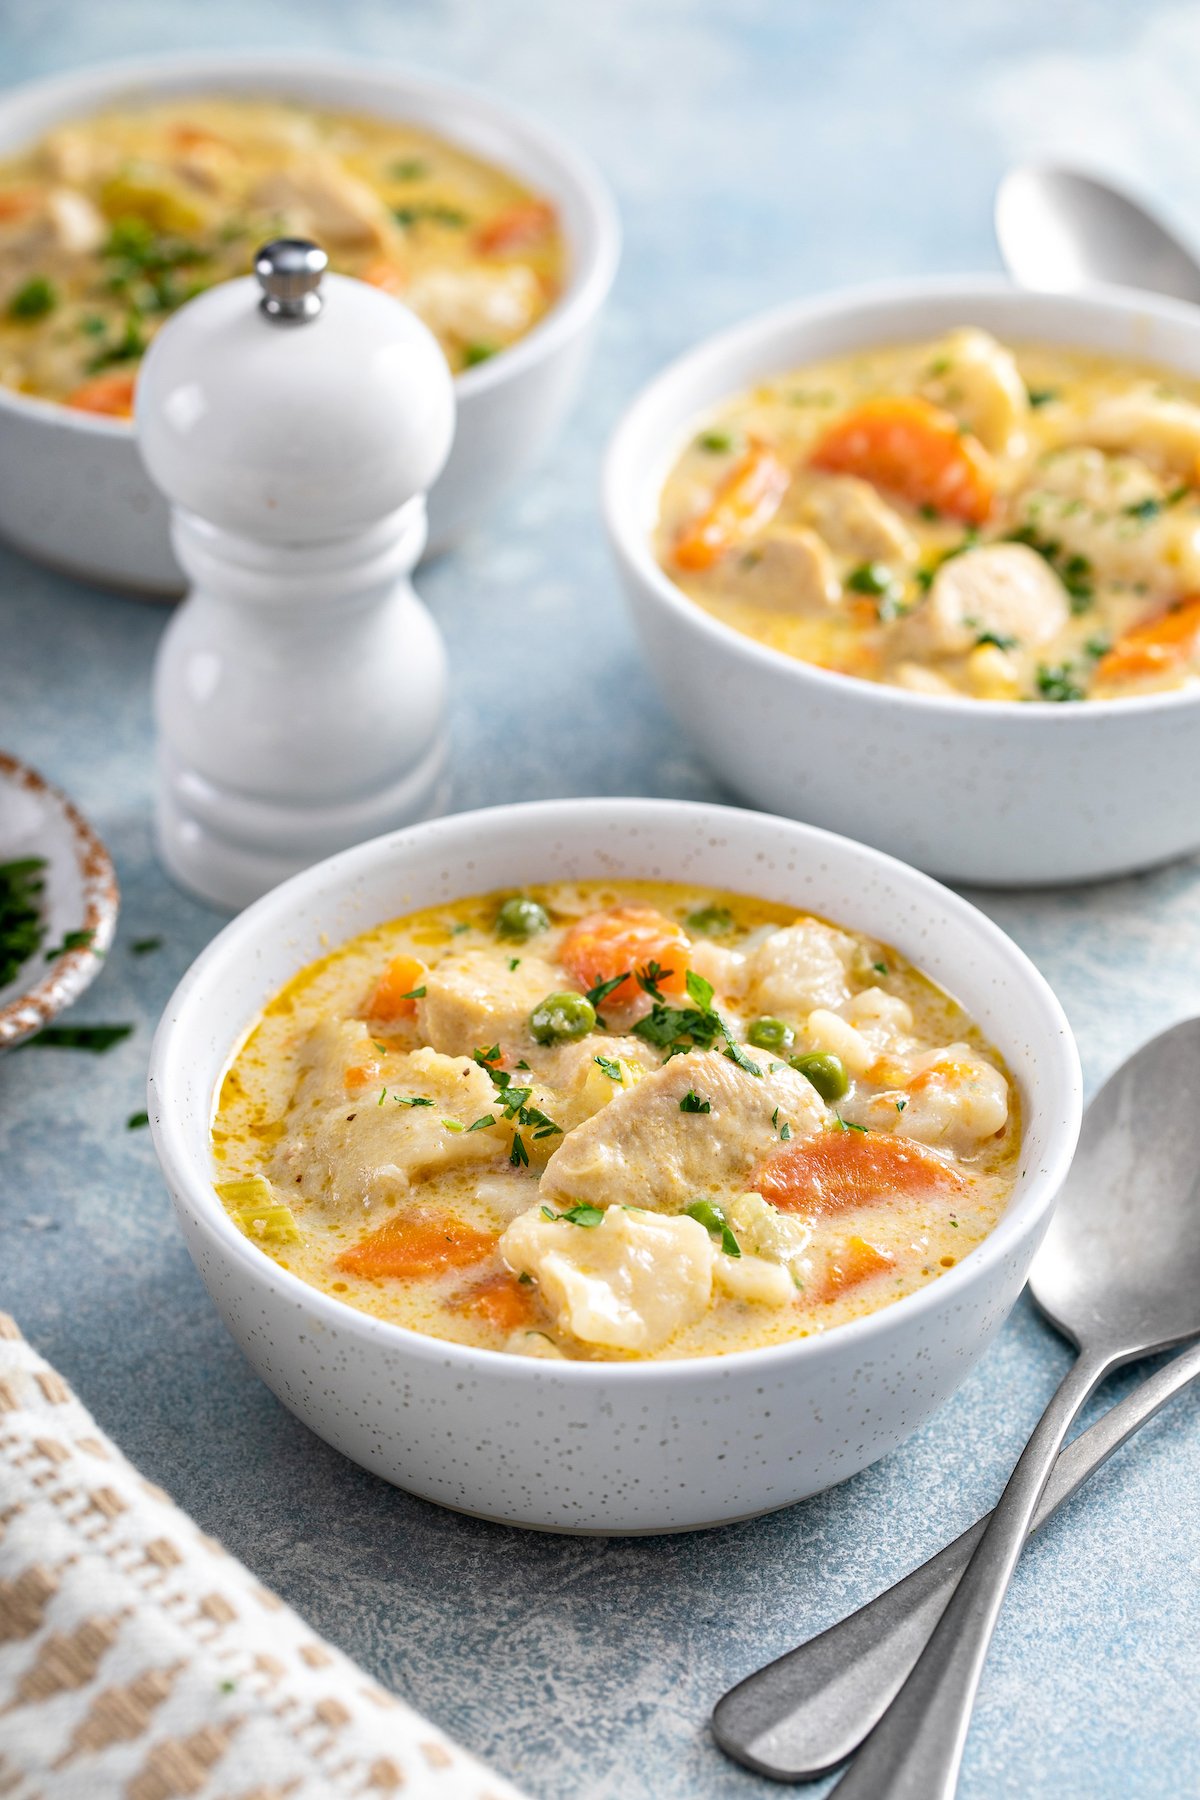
x,y
615,1121
960,518
109,223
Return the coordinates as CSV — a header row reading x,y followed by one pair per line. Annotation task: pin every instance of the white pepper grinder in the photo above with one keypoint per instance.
x,y
300,690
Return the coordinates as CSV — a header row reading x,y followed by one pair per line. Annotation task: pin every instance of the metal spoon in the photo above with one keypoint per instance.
x,y
1058,230
1118,1274
809,1710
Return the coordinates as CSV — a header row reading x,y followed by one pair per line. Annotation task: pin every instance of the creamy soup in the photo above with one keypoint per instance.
x,y
109,223
960,517
615,1121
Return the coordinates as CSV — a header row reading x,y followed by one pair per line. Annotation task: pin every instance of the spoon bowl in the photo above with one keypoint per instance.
x,y
1119,1267
1060,231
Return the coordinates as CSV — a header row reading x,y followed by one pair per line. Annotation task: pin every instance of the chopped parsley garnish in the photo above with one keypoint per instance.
x,y
1149,508
96,1038
413,994
586,1216
611,1068
692,1103
436,212
409,168
848,1124
473,354
145,946
72,940
454,1125
457,930
514,962
927,510
602,990
514,1103
880,968
92,326
712,921
716,442
136,1121
785,1132
1055,681
1042,396
870,578
1074,571
1097,647
481,1124
518,1156
34,299
410,1099
1001,639
677,1029
900,1105
712,1217
21,928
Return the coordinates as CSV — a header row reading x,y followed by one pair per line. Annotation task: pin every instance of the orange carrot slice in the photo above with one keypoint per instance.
x,y
914,449
394,995
522,226
1159,646
361,1074
746,500
856,1261
499,1300
383,273
407,1246
835,1171
111,394
608,944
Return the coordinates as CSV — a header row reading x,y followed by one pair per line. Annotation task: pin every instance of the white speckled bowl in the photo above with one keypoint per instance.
x,y
593,1446
998,792
75,494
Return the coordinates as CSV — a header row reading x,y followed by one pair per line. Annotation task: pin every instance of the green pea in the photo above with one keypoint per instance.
x,y
521,918
712,921
712,1217
770,1034
826,1073
562,1018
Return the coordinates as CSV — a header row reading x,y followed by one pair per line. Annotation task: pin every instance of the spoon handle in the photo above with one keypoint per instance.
x,y
809,1710
915,1751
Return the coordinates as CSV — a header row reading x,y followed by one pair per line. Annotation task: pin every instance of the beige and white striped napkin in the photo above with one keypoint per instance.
x,y
138,1660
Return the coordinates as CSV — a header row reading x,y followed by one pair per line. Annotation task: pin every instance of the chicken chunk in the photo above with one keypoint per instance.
x,y
319,199
951,1099
474,999
853,519
1143,419
645,1148
352,1155
1005,589
788,569
630,1283
1111,511
801,966
46,232
476,306
976,378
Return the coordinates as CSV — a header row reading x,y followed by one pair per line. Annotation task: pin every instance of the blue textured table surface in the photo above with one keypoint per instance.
x,y
758,151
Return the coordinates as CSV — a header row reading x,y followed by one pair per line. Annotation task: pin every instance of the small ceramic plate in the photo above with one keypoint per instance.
x,y
79,895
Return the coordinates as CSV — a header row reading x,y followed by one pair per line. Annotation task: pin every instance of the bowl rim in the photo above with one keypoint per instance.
x,y
169,1059
632,545
71,972
595,256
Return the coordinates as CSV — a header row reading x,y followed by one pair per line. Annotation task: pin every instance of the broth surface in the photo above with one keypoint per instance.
x,y
586,1122
109,223
959,517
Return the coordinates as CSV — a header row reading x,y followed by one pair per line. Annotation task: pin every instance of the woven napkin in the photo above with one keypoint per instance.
x,y
138,1660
